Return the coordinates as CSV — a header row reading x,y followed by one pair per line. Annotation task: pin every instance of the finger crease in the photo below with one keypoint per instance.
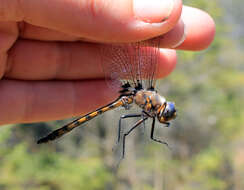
x,y
10,61
57,60
67,58
21,27
93,7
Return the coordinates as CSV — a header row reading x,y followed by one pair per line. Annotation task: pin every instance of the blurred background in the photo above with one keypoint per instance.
x,y
206,139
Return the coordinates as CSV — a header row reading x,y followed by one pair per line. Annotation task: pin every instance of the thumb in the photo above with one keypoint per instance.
x,y
98,20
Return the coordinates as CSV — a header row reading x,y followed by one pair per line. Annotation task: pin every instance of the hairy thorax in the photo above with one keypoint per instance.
x,y
149,101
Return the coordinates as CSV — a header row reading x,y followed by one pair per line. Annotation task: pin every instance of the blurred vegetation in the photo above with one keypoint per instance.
x,y
206,139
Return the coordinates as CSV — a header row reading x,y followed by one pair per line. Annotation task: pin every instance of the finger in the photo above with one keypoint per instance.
x,y
199,29
106,21
23,102
32,60
194,31
27,31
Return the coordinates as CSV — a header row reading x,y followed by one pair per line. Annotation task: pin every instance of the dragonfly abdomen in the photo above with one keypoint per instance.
x,y
70,126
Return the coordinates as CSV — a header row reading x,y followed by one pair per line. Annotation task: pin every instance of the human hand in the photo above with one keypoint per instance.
x,y
49,50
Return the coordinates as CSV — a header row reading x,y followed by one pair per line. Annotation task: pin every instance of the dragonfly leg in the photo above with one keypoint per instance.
x,y
120,123
152,134
128,132
167,124
144,125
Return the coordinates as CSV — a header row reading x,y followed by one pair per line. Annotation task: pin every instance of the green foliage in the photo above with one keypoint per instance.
x,y
21,168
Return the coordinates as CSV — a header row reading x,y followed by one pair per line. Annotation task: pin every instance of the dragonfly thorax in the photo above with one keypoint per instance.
x,y
155,105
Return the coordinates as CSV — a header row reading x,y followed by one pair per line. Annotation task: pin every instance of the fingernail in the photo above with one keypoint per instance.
x,y
152,11
182,38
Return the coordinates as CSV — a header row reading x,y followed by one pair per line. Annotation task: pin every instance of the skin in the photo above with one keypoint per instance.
x,y
45,46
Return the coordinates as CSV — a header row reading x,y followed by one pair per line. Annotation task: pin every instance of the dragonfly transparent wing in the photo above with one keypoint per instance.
x,y
134,62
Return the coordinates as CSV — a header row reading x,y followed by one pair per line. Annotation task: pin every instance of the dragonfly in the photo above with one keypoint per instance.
x,y
133,66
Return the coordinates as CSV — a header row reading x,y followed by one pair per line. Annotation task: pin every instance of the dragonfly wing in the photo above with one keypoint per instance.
x,y
133,62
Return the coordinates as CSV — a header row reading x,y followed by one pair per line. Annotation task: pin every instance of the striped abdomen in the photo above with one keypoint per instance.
x,y
70,126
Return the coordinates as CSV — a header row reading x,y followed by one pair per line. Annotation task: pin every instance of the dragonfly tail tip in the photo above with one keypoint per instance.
x,y
43,140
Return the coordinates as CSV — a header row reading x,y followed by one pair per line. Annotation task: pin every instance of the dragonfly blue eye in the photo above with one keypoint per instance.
x,y
169,111
171,106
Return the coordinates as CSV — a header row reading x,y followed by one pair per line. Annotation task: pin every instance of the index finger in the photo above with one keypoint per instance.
x,y
100,20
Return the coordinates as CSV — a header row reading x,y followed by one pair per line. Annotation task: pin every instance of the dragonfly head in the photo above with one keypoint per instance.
x,y
167,113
